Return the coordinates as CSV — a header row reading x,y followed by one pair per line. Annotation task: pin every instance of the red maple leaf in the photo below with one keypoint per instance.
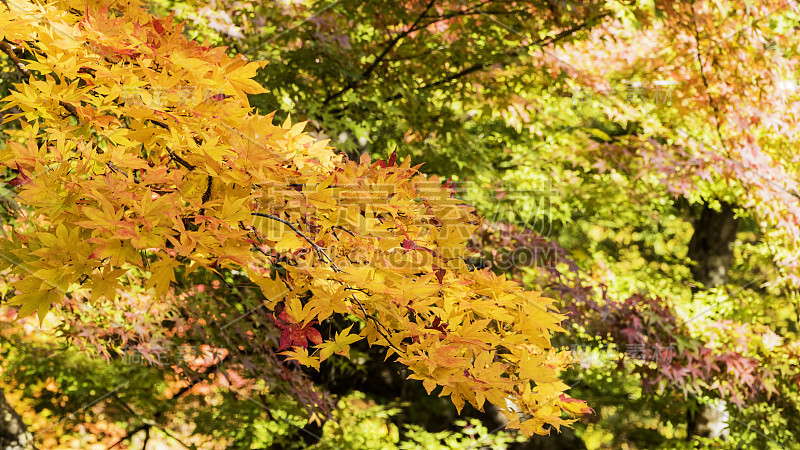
x,y
439,273
20,179
391,162
295,334
219,97
438,325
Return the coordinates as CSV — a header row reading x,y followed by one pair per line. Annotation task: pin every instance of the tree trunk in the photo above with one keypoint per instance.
x,y
711,245
14,434
711,249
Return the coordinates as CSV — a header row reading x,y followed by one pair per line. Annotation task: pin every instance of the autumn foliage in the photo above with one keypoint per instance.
x,y
138,151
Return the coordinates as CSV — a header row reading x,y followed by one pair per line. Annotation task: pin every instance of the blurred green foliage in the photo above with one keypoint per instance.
x,y
486,101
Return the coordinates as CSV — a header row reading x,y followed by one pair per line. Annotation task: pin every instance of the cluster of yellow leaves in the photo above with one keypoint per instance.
x,y
129,164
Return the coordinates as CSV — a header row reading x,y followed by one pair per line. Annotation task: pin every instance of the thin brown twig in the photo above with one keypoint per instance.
x,y
172,436
712,103
336,269
129,435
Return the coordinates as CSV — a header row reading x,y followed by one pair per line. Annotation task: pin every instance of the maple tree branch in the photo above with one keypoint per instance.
x,y
9,50
181,161
319,249
474,11
336,269
207,193
711,101
177,158
147,423
125,405
253,233
170,435
146,437
116,169
211,369
129,435
513,53
717,113
343,229
378,59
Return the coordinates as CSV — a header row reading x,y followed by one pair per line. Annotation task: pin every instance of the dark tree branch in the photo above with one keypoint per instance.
x,y
172,436
146,438
180,160
130,435
389,46
476,11
13,432
9,50
513,54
